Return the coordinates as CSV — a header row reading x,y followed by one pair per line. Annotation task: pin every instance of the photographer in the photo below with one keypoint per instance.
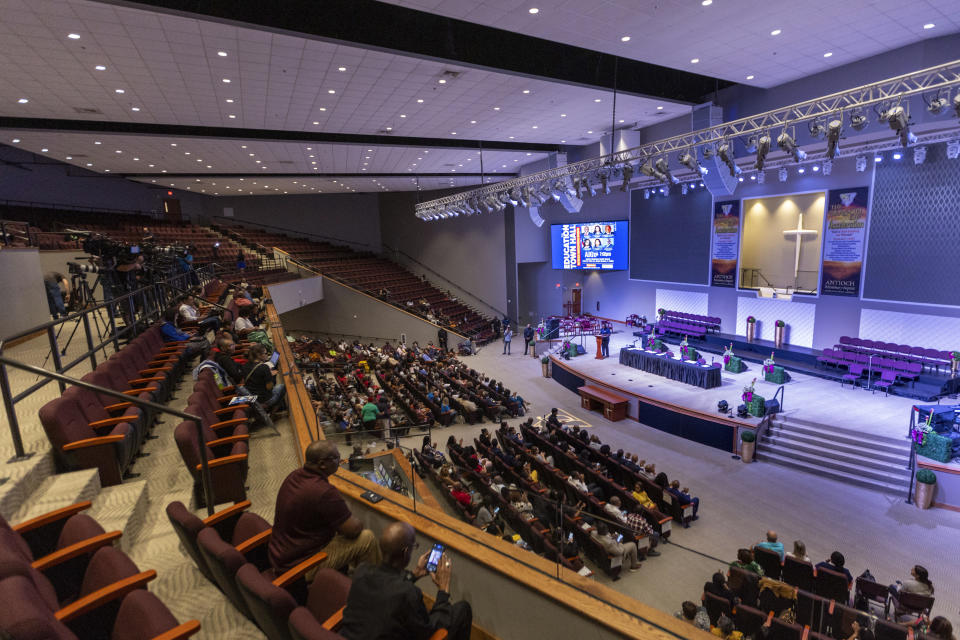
x,y
58,293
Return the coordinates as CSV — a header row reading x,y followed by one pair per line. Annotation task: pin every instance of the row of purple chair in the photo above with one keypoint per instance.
x,y
683,328
929,357
93,430
61,578
709,322
230,549
858,365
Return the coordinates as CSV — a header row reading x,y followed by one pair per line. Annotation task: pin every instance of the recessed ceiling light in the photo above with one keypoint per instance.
x,y
23,100
331,91
44,150
323,108
69,157
229,100
222,54
622,121
750,77
589,131
625,39
496,108
419,100
929,25
441,81
510,137
315,122
526,90
118,151
389,128
243,146
119,90
134,108
136,159
151,165
597,100
776,32
563,115
231,116
473,122
73,36
563,141
403,115
532,10
341,68
694,60
100,67
98,142
659,108
186,153
828,54
453,133
226,80
707,3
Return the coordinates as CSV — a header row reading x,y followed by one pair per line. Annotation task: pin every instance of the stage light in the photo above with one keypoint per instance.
x,y
688,160
646,194
572,186
815,168
627,176
683,189
548,192
783,174
817,130
956,104
527,199
899,121
937,105
725,151
801,171
664,168
859,121
953,149
761,177
505,199
788,146
919,155
834,131
515,196
861,163
878,158
763,148
827,167
897,155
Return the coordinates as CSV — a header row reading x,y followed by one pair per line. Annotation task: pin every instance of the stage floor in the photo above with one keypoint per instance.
x,y
805,397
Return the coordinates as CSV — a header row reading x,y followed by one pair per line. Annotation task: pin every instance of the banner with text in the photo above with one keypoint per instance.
x,y
726,240
843,241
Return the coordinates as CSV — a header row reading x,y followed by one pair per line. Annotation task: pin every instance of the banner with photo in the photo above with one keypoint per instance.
x,y
844,235
726,239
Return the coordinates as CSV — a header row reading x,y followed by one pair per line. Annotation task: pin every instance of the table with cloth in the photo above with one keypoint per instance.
x,y
683,371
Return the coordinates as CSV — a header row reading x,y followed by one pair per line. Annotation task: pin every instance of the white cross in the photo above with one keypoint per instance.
x,y
798,234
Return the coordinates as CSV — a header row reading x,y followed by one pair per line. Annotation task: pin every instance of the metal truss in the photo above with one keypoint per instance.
x,y
886,92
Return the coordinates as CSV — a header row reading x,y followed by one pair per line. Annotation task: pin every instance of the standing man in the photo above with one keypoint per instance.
x,y
312,516
528,334
385,603
507,338
605,343
442,338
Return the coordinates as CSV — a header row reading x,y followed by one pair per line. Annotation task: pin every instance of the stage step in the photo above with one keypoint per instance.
x,y
875,462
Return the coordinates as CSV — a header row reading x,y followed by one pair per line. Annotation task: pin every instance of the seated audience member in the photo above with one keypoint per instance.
x,y
485,513
190,313
683,495
640,495
312,516
258,378
170,332
725,630
430,452
940,628
553,420
858,632
224,357
718,587
460,495
691,613
746,562
626,553
243,324
835,563
385,603
918,583
771,544
519,502
799,551
635,521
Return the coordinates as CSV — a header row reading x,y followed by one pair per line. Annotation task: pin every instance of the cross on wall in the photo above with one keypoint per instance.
x,y
799,233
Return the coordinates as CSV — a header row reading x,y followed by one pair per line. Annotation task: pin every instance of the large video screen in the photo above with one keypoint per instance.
x,y
590,245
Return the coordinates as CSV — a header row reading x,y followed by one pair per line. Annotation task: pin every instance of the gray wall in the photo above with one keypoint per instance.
x,y
22,291
344,311
349,218
296,294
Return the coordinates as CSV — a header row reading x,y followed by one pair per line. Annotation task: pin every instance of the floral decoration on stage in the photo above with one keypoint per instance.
x,y
919,433
780,323
684,347
727,354
661,311
768,364
751,319
747,396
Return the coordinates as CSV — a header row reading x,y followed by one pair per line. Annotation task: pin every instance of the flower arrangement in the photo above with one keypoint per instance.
x,y
768,364
661,311
780,323
727,354
919,433
747,396
751,319
955,355
701,360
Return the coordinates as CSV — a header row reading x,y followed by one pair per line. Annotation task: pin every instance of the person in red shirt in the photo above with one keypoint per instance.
x,y
312,516
460,495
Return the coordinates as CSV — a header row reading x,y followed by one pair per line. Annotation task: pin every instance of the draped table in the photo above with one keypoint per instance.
x,y
680,370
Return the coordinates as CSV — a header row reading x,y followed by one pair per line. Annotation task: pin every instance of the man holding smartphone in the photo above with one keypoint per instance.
x,y
384,603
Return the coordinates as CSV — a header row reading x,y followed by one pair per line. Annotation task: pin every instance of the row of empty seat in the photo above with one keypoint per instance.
x,y
930,358
710,323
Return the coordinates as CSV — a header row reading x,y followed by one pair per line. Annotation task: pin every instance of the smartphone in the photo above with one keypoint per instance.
x,y
570,537
496,511
434,558
620,538
371,497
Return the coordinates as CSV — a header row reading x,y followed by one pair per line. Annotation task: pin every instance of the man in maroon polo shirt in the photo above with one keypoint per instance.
x,y
312,516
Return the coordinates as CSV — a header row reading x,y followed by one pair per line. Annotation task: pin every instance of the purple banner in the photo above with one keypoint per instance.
x,y
726,242
844,235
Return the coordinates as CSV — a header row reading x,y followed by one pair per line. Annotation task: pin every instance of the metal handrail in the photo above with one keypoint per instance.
x,y
146,404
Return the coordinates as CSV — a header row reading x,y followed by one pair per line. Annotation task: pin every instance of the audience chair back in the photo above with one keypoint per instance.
x,y
716,606
797,573
911,603
769,561
832,585
874,593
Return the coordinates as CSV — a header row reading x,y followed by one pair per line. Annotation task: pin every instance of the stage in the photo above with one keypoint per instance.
x,y
929,387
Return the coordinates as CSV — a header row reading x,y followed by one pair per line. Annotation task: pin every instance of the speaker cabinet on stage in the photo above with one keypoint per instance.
x,y
553,329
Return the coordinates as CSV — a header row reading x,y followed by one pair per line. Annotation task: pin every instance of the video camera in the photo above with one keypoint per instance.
x,y
83,269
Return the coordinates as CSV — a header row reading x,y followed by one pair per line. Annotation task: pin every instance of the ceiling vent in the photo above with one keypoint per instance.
x,y
89,110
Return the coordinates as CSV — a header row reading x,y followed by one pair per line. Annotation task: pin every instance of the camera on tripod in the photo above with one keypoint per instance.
x,y
82,269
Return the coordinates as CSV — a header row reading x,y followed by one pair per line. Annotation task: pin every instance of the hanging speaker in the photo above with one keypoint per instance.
x,y
535,216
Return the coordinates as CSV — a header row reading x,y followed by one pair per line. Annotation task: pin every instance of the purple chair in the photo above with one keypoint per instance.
x,y
887,379
143,616
229,523
854,376
932,357
827,357
916,354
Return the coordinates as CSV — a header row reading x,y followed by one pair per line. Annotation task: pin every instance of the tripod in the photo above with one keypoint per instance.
x,y
83,295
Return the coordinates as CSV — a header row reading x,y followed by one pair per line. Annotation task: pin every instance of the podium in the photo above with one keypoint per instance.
x,y
599,347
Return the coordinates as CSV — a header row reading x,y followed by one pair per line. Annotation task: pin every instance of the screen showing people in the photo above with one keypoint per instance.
x,y
593,245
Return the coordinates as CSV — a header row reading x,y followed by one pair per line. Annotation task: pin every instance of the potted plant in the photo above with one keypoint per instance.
x,y
748,443
545,365
954,361
751,328
926,486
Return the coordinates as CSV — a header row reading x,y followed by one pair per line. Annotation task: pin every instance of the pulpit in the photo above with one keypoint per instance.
x,y
599,347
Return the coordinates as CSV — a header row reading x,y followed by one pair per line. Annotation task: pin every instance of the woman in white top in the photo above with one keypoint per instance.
x,y
799,551
242,325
